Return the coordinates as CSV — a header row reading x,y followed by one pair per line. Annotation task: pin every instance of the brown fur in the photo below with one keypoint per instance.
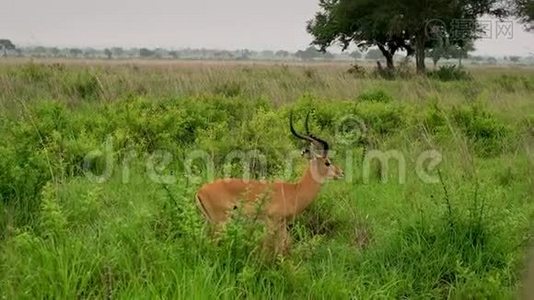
x,y
283,201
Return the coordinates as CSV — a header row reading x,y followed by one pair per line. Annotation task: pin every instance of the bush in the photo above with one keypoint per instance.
x,y
381,118
435,120
375,95
487,132
357,71
450,73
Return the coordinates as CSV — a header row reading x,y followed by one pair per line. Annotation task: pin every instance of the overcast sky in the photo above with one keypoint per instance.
x,y
229,24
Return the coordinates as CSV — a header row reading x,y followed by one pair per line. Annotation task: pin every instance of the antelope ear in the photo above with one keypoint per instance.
x,y
306,153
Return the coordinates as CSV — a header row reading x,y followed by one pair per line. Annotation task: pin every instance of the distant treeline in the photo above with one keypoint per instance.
x,y
8,49
161,53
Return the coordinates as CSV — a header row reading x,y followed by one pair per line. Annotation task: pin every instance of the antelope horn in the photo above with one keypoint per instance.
x,y
324,145
309,137
295,133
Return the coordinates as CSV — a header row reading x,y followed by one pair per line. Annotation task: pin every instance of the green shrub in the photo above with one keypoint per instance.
x,y
488,133
435,120
357,71
52,220
376,95
381,118
450,73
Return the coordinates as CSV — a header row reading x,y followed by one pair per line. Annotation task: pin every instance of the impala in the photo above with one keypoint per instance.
x,y
282,201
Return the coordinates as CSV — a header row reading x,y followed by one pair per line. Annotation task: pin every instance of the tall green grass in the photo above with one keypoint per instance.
x,y
63,235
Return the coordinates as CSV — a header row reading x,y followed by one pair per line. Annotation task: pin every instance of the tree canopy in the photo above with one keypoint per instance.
x,y
365,23
6,45
399,25
524,9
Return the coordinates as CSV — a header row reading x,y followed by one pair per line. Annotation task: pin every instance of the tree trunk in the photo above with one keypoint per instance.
x,y
389,62
390,65
420,52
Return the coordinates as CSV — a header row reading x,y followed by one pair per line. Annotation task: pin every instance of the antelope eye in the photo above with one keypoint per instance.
x,y
327,164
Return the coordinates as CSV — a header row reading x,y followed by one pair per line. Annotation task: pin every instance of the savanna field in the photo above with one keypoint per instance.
x,y
97,183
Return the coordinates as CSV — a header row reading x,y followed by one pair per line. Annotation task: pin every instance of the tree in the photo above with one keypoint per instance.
x,y
55,51
492,60
75,52
223,55
282,53
117,52
244,54
108,53
457,22
267,54
524,9
477,58
514,58
461,50
174,54
89,52
39,51
144,52
6,45
365,23
440,48
397,25
309,54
